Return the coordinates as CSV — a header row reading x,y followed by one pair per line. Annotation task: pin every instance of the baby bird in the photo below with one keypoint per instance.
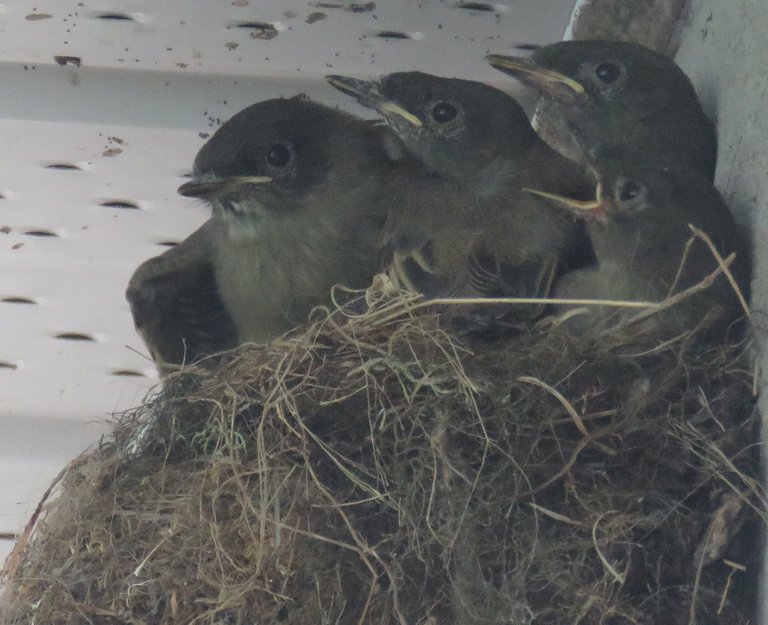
x,y
639,226
465,227
618,94
295,189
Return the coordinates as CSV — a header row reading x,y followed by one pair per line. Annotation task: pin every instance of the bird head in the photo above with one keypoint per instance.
x,y
267,161
635,193
625,78
457,128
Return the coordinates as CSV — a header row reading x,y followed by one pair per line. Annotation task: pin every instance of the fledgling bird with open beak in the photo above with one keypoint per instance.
x,y
618,94
465,227
295,191
639,228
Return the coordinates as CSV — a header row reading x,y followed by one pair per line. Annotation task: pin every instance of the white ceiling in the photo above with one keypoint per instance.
x,y
92,156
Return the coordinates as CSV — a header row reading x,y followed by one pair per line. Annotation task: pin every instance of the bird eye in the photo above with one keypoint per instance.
x,y
279,155
443,112
607,72
629,191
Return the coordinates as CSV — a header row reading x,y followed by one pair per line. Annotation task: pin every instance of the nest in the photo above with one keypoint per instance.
x,y
386,467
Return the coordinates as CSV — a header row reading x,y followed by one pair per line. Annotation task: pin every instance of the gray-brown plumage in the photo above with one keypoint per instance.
x,y
295,190
176,305
465,227
618,94
639,228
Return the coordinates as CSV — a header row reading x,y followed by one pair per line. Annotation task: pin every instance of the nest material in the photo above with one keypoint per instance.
x,y
386,468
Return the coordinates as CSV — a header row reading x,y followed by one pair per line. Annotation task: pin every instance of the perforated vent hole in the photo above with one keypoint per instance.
x,y
392,34
5,364
14,299
68,60
64,166
167,243
476,6
258,30
128,373
113,17
39,232
125,204
74,336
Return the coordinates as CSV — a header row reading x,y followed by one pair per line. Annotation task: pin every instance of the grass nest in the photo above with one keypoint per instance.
x,y
382,466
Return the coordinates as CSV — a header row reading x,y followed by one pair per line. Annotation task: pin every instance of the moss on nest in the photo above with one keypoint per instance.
x,y
383,467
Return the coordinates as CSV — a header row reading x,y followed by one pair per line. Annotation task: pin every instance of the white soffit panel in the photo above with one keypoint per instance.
x,y
103,107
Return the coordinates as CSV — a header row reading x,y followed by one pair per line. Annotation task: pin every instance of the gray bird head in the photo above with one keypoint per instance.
x,y
619,92
457,128
267,161
641,206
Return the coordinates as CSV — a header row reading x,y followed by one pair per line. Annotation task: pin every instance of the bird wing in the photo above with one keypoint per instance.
x,y
410,261
531,277
176,305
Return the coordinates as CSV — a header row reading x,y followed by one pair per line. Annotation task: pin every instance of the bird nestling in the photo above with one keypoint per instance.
x,y
640,228
619,94
465,227
295,190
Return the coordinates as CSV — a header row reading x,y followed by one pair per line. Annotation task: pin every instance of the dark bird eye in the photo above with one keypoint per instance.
x,y
443,112
608,72
279,155
629,191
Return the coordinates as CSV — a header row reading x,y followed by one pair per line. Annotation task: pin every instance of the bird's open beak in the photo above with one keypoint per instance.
x,y
216,186
588,209
547,80
368,93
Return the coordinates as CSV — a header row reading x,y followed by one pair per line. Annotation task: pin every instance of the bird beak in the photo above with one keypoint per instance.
x,y
547,80
216,186
587,209
368,93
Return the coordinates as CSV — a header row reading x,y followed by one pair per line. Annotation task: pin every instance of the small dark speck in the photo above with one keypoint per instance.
x,y
182,65
231,45
36,17
74,336
5,229
68,60
18,246
112,152
316,16
203,135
